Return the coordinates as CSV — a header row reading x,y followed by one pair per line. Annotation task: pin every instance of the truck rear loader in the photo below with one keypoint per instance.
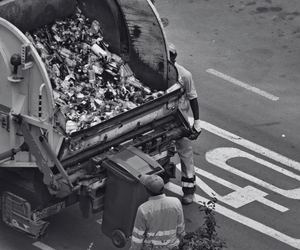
x,y
43,170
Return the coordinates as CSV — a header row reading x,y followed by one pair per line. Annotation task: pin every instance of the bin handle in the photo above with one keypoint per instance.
x,y
121,167
153,163
118,171
129,169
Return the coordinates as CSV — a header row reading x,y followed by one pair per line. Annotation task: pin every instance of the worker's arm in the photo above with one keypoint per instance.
x,y
187,81
196,126
138,233
192,96
195,109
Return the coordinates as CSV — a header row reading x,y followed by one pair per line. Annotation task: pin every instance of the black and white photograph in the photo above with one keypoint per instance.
x,y
149,124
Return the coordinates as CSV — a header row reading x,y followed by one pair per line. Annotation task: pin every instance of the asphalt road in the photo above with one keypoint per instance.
x,y
244,59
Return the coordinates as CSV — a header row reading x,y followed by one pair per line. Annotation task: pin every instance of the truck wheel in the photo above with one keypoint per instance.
x,y
118,238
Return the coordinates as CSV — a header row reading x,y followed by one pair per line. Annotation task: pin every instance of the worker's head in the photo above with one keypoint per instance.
x,y
153,183
172,52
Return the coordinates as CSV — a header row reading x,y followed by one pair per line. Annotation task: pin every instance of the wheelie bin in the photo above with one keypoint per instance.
x,y
124,193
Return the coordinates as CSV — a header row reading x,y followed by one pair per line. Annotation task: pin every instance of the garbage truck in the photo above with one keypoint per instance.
x,y
43,168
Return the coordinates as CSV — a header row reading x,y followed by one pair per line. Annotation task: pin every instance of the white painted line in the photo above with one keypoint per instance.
x,y
240,197
250,145
242,84
42,246
220,157
242,219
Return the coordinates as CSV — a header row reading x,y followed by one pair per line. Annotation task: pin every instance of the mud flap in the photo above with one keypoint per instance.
x,y
16,212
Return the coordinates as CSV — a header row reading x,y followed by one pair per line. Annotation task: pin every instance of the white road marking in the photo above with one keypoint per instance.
x,y
250,145
242,84
42,246
240,197
244,196
220,156
242,219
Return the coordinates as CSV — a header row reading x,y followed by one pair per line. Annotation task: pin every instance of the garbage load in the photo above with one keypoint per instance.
x,y
90,83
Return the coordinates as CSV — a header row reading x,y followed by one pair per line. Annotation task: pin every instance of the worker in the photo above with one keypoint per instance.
x,y
184,146
159,222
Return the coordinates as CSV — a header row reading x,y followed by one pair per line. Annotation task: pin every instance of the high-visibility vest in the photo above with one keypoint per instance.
x,y
159,224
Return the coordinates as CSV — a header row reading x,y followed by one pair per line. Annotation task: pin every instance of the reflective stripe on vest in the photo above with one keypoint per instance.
x,y
137,240
162,233
157,242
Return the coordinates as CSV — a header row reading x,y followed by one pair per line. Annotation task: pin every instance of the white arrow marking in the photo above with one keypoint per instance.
x,y
241,219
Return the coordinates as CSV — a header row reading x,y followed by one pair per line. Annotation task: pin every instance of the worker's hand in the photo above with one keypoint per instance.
x,y
196,130
197,126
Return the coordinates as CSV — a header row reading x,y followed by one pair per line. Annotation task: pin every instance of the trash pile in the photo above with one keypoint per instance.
x,y
89,83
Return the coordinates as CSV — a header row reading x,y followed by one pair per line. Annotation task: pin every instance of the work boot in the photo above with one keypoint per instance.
x,y
187,199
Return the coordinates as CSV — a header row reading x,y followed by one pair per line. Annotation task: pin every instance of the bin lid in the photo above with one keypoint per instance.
x,y
132,162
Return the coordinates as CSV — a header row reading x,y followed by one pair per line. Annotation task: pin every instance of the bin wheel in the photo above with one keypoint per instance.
x,y
118,238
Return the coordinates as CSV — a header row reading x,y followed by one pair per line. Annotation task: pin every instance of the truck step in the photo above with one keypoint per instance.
x,y
17,214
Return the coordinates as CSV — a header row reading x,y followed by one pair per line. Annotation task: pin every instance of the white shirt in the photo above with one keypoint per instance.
x,y
186,79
